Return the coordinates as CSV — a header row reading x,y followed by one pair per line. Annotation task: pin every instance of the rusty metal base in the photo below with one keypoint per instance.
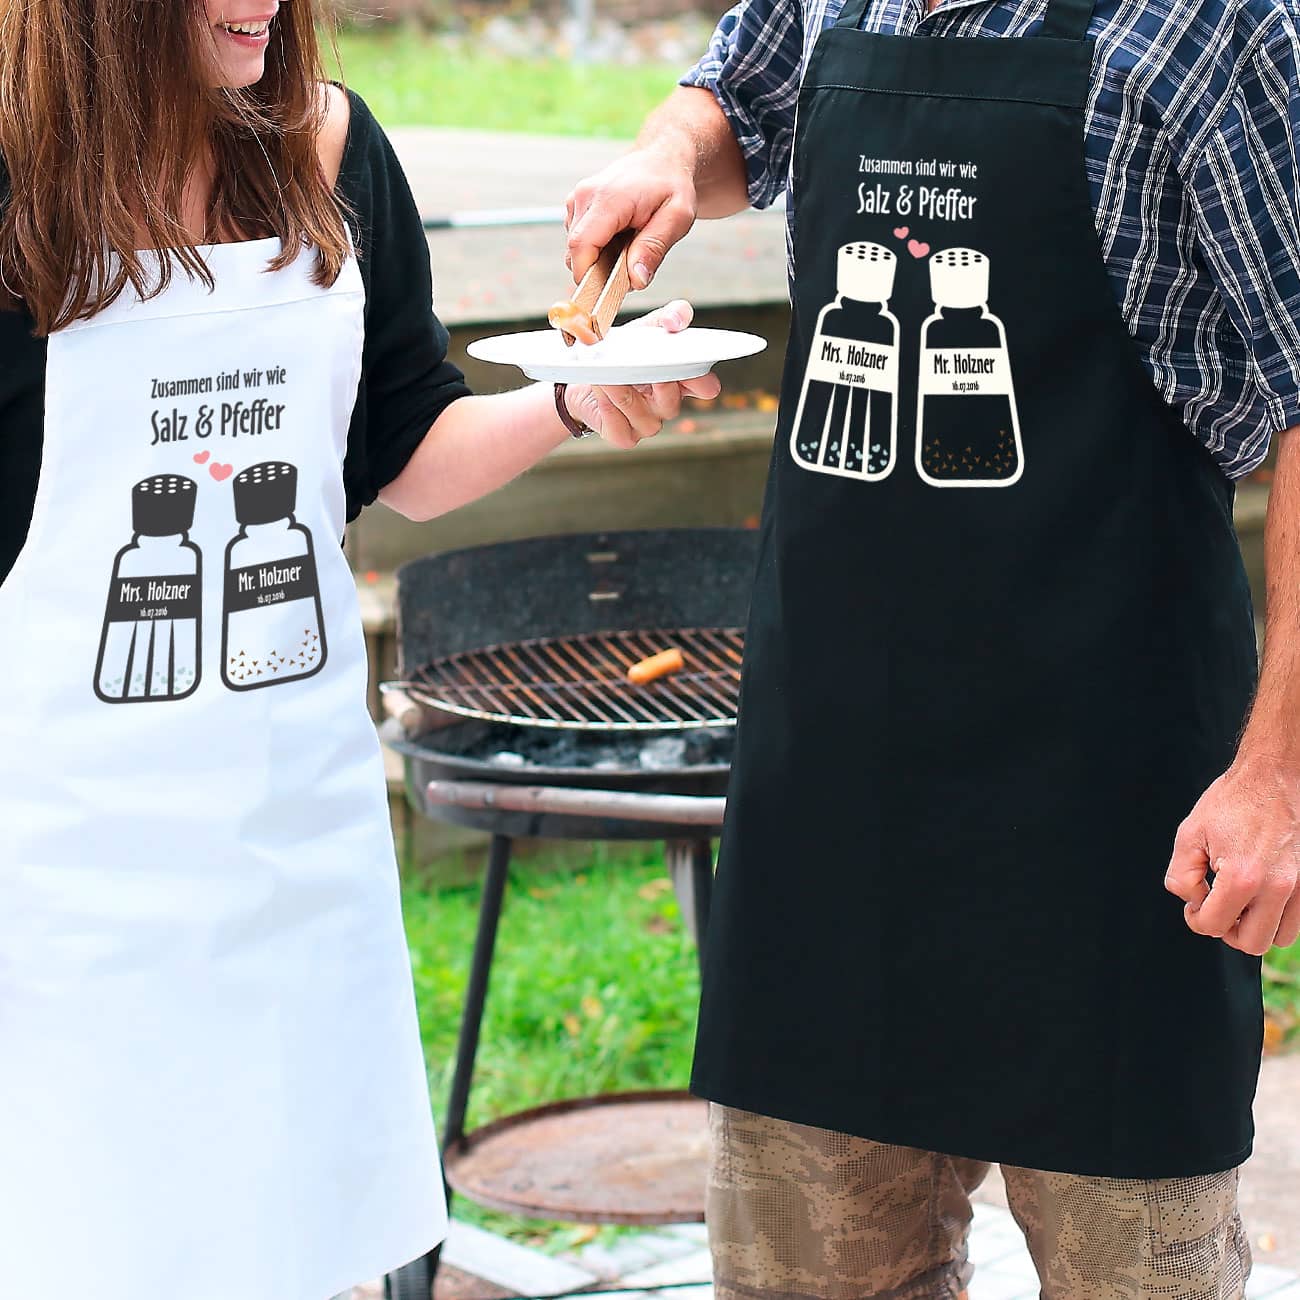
x,y
633,1157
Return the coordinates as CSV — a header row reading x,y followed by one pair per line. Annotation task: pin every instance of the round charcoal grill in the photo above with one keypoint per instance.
x,y
564,617
539,635
531,642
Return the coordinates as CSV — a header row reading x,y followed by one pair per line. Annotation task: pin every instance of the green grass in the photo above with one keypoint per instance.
x,y
410,78
1282,988
594,990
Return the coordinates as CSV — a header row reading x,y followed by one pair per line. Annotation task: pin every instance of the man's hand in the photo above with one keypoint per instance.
x,y
1245,833
687,164
651,191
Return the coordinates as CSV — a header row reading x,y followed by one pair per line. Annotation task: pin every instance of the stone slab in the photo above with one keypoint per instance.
x,y
509,273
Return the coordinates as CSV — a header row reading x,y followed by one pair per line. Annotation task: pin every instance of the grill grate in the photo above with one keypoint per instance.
x,y
580,682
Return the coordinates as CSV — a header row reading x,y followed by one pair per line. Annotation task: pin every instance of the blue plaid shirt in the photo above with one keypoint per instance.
x,y
1191,157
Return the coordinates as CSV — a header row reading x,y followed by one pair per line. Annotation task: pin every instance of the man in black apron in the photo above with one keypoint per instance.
x,y
1001,647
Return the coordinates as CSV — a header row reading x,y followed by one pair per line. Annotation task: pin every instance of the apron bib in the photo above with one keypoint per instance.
x,y
214,1084
1000,643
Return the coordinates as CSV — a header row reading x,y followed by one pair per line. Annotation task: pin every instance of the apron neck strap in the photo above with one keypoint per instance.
x,y
1066,19
853,14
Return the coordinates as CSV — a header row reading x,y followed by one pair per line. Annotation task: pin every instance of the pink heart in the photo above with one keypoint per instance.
x,y
917,248
901,232
220,472
201,457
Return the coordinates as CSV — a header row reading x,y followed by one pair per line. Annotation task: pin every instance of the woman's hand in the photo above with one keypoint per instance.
x,y
478,444
624,414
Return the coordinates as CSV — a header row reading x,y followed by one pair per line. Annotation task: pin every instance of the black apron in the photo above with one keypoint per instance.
x,y
1001,642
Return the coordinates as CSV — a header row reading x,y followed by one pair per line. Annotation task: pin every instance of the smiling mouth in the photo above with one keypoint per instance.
x,y
251,30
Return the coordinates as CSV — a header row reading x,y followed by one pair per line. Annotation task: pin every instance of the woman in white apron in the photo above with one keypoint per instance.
x,y
211,1085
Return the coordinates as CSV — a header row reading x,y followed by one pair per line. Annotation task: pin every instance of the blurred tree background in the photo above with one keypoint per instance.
x,y
574,67
445,14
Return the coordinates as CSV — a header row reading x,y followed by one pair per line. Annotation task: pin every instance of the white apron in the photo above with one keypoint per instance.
x,y
211,1084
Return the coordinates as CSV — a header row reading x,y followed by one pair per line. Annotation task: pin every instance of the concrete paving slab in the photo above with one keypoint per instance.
x,y
518,1269
992,1284
992,1243
1018,1265
695,1269
673,1245
514,273
623,1259
1270,1183
1266,1280
696,1232
454,170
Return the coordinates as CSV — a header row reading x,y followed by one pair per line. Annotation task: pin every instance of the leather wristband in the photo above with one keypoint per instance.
x,y
575,429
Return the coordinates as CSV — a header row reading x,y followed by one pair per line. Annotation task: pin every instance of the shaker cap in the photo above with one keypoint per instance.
x,y
163,506
266,492
866,272
959,277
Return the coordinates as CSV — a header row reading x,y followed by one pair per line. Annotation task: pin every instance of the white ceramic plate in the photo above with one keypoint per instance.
x,y
629,354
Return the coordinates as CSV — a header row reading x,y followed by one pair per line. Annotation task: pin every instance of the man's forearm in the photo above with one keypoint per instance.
x,y
1273,731
690,125
1245,830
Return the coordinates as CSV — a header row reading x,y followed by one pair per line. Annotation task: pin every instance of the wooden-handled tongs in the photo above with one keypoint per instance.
x,y
588,316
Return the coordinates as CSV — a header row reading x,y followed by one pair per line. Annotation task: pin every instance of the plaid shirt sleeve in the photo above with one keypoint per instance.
x,y
1245,194
753,68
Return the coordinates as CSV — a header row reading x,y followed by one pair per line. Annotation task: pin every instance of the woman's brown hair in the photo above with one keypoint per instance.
x,y
106,106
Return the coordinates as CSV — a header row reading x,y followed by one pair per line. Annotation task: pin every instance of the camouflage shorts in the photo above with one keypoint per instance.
x,y
812,1215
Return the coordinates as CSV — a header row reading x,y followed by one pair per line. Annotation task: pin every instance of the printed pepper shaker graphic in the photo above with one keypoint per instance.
x,y
968,429
150,645
847,419
272,630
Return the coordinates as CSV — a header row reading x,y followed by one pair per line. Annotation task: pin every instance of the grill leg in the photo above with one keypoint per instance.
x,y
690,864
489,917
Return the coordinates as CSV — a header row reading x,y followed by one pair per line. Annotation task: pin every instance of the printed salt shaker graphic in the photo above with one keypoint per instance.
x,y
968,429
272,630
150,645
846,422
